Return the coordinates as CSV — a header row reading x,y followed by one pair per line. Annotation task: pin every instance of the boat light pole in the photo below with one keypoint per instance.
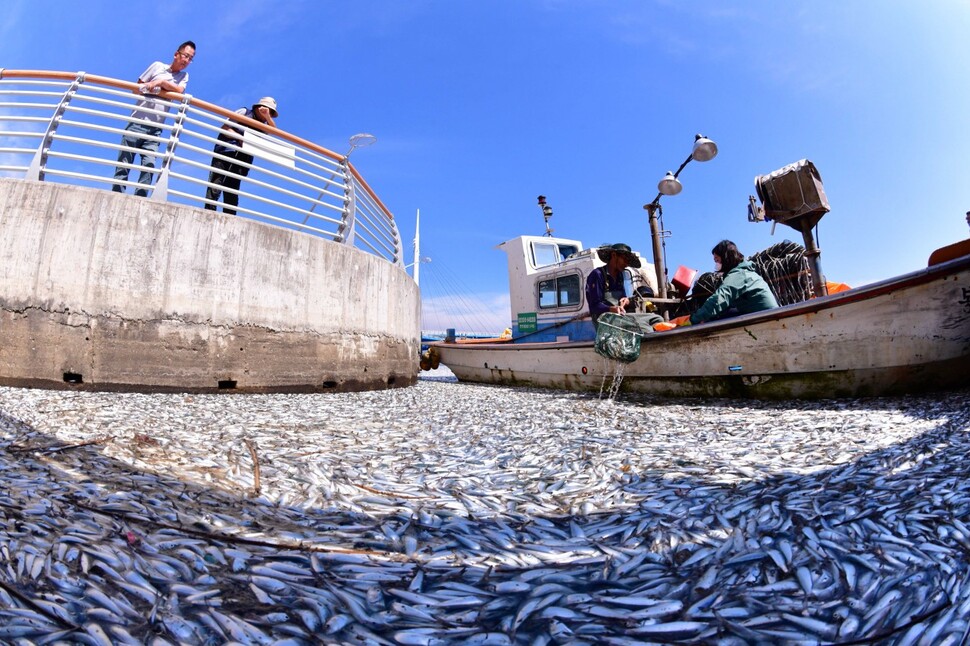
x,y
546,213
704,150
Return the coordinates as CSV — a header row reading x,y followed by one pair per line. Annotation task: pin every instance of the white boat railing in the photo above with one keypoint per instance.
x,y
67,127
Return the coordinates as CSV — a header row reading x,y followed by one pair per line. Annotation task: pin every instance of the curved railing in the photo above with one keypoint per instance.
x,y
67,127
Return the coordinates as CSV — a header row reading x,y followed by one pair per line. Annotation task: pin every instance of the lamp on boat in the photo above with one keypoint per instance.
x,y
546,213
670,185
704,150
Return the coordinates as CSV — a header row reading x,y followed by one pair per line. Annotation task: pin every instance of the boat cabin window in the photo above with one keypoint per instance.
x,y
550,253
566,250
561,291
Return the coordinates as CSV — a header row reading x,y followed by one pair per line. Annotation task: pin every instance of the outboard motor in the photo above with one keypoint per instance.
x,y
794,196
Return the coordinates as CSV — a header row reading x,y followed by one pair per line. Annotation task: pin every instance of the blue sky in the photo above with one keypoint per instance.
x,y
479,107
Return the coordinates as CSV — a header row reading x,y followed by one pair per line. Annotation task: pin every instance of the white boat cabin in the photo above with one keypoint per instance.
x,y
547,287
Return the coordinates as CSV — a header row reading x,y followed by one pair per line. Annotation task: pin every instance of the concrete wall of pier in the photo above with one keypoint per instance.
x,y
100,290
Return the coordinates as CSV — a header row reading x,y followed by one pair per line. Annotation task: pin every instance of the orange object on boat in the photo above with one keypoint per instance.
x,y
494,339
683,279
835,288
949,252
663,326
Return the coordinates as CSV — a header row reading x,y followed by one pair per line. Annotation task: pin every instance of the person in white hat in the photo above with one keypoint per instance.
x,y
227,174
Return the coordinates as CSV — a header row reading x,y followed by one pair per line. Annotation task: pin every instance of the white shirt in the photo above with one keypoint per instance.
x,y
156,73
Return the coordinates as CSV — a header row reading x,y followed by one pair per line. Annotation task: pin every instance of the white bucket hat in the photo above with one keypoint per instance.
x,y
270,103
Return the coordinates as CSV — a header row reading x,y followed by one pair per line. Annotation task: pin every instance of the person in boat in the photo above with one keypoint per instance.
x,y
742,291
604,285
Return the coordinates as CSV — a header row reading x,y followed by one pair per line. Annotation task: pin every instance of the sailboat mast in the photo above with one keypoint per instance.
x,y
417,251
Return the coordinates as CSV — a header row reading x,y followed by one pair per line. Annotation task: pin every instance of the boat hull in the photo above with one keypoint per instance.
x,y
907,334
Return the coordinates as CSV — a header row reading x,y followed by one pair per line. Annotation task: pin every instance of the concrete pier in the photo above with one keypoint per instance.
x,y
105,291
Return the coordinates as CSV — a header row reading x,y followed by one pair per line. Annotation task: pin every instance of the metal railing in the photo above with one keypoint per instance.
x,y
67,127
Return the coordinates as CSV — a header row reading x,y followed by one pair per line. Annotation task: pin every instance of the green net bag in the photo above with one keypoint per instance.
x,y
618,337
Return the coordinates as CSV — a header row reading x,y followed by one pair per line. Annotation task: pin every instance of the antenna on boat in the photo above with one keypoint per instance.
x,y
546,213
704,150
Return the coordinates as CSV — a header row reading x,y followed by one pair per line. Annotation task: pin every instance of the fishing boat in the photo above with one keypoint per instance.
x,y
909,333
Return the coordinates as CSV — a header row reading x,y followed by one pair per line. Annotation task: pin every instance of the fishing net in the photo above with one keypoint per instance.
x,y
618,336
785,269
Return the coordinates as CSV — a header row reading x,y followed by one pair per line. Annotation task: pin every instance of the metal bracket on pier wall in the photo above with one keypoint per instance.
x,y
160,191
347,228
35,170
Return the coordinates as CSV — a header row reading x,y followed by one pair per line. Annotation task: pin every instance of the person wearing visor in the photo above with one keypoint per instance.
x,y
231,164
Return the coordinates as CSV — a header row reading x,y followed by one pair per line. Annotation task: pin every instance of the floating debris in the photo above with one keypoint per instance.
x,y
450,513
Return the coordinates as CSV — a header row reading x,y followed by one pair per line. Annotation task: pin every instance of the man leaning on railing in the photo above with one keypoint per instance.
x,y
142,131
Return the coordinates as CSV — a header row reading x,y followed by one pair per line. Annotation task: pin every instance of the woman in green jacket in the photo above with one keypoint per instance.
x,y
742,291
